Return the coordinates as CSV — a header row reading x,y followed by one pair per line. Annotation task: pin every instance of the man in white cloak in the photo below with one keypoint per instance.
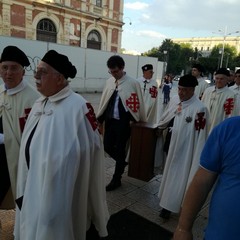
x,y
188,135
16,99
197,71
61,177
121,104
236,88
149,88
219,99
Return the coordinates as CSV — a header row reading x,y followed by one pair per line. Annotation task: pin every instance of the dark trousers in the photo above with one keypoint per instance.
x,y
116,136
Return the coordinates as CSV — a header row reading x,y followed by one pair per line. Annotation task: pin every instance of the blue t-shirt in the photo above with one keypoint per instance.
x,y
221,154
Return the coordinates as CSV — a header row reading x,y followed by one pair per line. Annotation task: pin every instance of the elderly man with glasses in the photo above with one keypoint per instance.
x,y
61,177
16,100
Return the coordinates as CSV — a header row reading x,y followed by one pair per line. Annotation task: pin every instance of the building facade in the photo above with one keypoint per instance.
x,y
206,44
95,24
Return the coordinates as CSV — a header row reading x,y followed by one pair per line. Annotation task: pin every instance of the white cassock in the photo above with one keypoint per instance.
x,y
236,88
129,92
201,87
15,105
189,133
63,185
220,104
149,89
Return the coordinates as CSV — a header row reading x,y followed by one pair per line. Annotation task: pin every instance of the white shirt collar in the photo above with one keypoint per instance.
x,y
17,89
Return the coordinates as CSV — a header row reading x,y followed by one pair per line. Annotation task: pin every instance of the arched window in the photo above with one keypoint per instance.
x,y
46,31
94,40
99,3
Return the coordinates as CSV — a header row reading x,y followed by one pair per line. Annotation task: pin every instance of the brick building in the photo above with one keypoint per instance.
x,y
93,24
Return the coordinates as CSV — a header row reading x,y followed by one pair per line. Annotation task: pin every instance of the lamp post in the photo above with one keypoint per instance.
x,y
225,34
130,21
219,57
165,52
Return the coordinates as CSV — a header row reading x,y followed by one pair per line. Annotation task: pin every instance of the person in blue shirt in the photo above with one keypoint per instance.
x,y
219,167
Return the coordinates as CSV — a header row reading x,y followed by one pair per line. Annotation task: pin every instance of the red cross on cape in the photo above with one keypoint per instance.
x,y
133,102
153,91
200,121
228,106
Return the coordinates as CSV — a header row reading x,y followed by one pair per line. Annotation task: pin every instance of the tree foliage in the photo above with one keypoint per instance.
x,y
182,56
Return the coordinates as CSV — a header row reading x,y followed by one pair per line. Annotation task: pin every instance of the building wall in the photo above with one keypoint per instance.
x,y
92,71
206,44
73,19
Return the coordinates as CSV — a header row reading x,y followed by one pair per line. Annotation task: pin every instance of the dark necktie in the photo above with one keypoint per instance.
x,y
145,83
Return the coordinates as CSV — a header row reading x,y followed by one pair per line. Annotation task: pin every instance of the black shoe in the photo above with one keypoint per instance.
x,y
113,185
165,214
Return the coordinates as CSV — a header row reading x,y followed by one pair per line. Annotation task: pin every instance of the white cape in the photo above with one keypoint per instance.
x,y
64,188
189,133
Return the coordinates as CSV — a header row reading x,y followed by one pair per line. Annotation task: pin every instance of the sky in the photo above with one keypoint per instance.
x,y
149,22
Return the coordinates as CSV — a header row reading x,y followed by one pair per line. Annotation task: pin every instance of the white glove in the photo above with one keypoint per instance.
x,y
1,138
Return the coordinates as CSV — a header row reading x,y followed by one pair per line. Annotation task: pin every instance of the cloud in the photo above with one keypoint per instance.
x,y
152,34
136,5
193,15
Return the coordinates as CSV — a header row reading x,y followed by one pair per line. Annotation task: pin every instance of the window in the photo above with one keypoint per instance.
x,y
94,40
46,31
99,3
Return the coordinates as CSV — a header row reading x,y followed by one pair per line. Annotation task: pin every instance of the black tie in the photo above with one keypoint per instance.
x,y
145,83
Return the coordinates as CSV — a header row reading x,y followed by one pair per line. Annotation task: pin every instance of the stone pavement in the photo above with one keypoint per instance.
x,y
139,196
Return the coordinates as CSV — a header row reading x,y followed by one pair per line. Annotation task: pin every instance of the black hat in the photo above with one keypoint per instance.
x,y
147,67
12,53
188,81
199,67
223,71
60,63
238,71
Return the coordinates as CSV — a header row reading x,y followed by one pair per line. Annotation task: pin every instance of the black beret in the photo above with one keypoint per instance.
x,y
223,71
60,63
147,67
13,53
238,71
188,81
199,67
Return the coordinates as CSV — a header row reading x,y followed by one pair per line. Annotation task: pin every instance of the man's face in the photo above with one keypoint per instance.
x,y
195,72
47,79
237,78
116,72
221,80
12,73
185,93
148,74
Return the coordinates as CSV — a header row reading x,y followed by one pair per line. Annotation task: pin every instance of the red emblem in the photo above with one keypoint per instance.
x,y
200,122
22,120
228,106
133,102
153,91
92,117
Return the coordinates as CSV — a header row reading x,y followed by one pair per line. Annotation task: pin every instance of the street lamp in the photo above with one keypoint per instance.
x,y
225,34
130,21
219,57
165,52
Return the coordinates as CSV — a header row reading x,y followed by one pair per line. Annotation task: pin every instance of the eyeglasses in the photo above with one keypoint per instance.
x,y
13,68
41,73
116,71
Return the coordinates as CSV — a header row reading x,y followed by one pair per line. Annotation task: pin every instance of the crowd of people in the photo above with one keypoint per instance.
x,y
53,146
